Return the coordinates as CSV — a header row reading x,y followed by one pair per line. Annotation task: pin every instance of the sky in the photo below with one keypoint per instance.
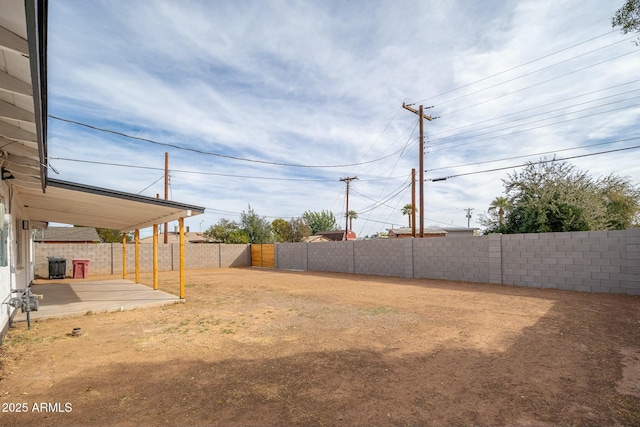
x,y
268,104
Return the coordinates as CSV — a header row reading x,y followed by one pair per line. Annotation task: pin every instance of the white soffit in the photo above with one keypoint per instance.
x,y
78,204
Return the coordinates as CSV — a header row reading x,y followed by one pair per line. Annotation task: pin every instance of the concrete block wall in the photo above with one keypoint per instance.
x,y
462,258
601,261
630,271
380,257
330,256
234,256
291,256
106,258
590,261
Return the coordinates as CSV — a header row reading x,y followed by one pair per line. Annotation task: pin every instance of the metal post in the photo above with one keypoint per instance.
x,y
182,284
155,256
137,245
124,255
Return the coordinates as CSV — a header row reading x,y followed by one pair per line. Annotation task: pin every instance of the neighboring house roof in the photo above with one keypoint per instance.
x,y
336,235
173,237
67,235
316,238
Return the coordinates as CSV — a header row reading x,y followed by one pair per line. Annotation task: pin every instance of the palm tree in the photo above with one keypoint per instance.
x,y
408,210
352,215
501,204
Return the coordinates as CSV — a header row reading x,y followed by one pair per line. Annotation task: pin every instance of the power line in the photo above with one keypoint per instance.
x,y
535,71
534,154
459,138
150,185
530,129
66,159
538,84
534,115
211,153
517,66
525,164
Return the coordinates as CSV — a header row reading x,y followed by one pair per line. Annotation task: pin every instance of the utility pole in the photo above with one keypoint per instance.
x,y
421,115
469,217
346,216
166,193
413,203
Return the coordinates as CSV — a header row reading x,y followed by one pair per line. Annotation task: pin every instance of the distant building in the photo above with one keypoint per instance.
x,y
405,232
330,236
67,235
174,237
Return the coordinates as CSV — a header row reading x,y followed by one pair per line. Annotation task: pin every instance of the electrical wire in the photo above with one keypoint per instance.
x,y
516,67
457,138
537,84
526,164
538,114
210,153
66,159
533,72
533,154
150,185
530,129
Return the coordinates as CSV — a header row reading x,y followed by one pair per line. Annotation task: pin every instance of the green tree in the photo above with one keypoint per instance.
x,y
622,202
257,228
499,205
110,235
352,215
237,236
408,210
553,196
628,17
294,230
320,221
221,231
281,230
300,230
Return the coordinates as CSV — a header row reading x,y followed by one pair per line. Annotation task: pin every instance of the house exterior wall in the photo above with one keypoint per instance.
x,y
16,271
602,261
106,258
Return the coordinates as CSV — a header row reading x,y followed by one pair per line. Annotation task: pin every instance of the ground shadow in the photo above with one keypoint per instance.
x,y
570,380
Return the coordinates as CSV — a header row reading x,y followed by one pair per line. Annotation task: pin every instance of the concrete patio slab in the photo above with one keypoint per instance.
x,y
68,299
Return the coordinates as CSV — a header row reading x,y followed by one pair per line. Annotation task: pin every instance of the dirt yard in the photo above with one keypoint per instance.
x,y
260,347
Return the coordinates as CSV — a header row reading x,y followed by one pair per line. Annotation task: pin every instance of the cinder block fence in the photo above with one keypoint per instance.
x,y
106,258
600,261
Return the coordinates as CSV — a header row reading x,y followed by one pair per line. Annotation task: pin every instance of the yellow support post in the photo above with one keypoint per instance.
x,y
181,226
124,256
137,238
155,257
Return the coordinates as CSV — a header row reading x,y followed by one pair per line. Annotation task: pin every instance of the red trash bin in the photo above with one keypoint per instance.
x,y
80,268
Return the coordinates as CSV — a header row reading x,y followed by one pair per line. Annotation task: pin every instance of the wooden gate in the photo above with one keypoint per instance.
x,y
263,255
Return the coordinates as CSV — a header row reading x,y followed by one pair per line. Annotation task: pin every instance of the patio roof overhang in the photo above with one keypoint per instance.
x,y
79,204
